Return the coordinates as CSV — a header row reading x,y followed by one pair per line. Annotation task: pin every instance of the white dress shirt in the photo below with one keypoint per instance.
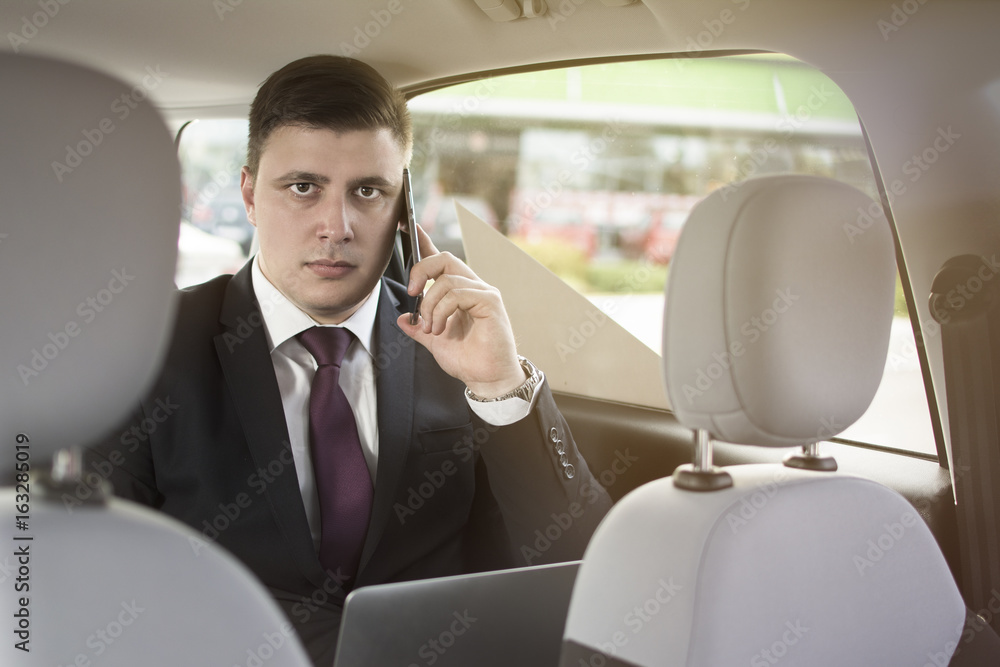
x,y
294,369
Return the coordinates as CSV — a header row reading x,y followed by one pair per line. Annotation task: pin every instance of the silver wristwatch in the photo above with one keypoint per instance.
x,y
525,391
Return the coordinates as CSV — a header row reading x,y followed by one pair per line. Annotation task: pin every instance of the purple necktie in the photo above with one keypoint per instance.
x,y
343,482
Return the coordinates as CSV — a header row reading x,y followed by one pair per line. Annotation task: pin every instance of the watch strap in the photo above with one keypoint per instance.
x,y
524,391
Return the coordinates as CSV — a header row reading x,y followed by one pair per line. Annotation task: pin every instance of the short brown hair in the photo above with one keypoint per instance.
x,y
327,92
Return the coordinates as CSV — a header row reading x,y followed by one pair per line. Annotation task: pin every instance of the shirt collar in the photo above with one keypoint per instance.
x,y
284,320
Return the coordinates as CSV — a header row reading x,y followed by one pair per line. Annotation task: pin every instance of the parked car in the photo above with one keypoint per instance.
x,y
224,216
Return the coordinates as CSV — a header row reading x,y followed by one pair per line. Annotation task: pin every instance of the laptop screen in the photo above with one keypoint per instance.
x,y
502,618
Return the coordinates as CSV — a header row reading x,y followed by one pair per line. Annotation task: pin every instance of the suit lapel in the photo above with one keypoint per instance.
x,y
246,363
394,364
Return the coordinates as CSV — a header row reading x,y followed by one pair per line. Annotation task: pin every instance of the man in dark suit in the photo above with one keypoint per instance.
x,y
450,454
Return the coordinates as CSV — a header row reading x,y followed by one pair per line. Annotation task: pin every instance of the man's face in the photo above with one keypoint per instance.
x,y
326,206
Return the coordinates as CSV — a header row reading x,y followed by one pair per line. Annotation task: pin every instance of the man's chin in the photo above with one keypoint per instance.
x,y
334,310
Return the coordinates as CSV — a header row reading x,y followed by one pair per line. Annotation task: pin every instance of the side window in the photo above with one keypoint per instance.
x,y
592,171
215,234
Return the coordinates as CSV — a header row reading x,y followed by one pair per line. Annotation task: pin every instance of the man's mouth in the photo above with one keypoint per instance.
x,y
327,268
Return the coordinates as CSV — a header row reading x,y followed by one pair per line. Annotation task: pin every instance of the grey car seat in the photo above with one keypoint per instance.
x,y
90,193
776,327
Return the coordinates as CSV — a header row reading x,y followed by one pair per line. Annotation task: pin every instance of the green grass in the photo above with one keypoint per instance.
x,y
626,276
742,83
572,266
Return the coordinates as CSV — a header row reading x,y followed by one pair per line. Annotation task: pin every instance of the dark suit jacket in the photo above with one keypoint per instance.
x,y
209,446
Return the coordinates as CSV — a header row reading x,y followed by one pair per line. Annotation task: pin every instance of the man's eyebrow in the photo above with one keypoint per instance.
x,y
319,179
373,181
302,177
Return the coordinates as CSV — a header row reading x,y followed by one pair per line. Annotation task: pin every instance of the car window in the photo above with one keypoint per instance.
x,y
593,169
215,234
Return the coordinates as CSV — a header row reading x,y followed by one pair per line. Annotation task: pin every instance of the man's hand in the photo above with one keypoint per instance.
x,y
463,323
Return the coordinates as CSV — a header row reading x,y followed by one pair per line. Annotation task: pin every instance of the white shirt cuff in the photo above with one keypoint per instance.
x,y
507,411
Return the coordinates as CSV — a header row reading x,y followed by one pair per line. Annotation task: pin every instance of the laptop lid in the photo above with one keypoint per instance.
x,y
508,617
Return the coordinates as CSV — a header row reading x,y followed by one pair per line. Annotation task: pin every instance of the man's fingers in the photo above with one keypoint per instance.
x,y
427,248
451,293
434,264
414,331
418,275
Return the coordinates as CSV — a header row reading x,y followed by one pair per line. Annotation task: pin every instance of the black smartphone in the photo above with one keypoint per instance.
x,y
411,229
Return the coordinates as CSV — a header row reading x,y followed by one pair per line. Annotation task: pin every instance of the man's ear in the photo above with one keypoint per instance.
x,y
246,189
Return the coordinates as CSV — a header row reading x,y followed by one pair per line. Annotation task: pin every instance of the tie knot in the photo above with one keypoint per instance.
x,y
327,345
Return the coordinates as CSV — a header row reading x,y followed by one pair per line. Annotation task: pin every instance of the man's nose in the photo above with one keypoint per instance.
x,y
334,222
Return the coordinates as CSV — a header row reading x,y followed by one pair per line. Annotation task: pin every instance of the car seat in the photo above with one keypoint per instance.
x,y
90,188
776,327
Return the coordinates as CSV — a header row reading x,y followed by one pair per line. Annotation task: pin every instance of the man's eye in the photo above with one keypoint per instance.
x,y
367,192
303,188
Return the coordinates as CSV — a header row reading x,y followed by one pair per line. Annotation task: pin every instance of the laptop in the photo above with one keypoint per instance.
x,y
502,618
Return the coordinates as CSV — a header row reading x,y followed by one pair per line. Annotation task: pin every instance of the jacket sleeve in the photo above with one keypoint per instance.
x,y
550,502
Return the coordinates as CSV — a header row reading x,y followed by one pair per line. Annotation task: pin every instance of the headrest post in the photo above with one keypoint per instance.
x,y
67,465
702,475
702,450
66,477
810,459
